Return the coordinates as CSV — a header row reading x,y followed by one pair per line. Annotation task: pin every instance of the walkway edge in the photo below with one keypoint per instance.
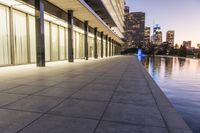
x,y
172,118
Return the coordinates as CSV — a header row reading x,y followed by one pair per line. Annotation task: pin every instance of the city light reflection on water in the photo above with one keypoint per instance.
x,y
179,79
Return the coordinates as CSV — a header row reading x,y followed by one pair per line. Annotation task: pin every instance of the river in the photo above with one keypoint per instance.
x,y
179,79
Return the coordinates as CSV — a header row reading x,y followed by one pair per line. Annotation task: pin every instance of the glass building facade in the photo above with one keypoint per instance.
x,y
18,37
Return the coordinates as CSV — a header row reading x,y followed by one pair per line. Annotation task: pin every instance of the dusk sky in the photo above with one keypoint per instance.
x,y
183,16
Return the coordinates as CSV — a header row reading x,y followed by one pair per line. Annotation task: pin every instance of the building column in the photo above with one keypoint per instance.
x,y
95,43
86,39
70,36
109,46
106,45
39,25
112,53
101,44
113,47
117,47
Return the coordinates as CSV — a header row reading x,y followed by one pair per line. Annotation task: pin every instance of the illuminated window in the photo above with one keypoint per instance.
x,y
20,38
62,42
5,51
47,41
54,42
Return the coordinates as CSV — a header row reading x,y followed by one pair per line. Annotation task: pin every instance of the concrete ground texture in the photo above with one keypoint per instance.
x,y
110,95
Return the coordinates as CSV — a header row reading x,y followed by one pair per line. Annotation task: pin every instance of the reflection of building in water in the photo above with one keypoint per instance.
x,y
145,62
187,64
198,66
168,65
181,62
155,63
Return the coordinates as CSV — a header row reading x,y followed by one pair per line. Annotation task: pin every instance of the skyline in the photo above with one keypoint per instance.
x,y
162,13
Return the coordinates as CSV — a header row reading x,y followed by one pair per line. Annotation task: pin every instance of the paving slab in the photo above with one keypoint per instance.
x,y
80,108
58,124
93,95
57,91
112,127
133,98
128,113
34,104
12,121
6,86
25,89
9,98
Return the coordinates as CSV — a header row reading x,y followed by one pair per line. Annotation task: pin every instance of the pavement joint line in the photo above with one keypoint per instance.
x,y
109,100
139,105
77,117
11,88
133,124
53,107
21,110
89,100
142,71
25,96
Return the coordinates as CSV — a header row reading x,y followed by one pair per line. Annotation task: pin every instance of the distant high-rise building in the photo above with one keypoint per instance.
x,y
134,28
157,35
187,44
126,10
170,37
138,28
155,28
147,33
128,37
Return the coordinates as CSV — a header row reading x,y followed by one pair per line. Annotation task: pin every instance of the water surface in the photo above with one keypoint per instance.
x,y
179,79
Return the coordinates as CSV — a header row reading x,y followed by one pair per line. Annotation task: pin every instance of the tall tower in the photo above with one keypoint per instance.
x,y
157,34
170,37
138,28
147,33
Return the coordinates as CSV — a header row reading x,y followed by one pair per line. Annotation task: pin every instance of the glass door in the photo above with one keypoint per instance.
x,y
62,43
104,48
54,42
5,51
47,41
99,48
20,38
90,47
32,39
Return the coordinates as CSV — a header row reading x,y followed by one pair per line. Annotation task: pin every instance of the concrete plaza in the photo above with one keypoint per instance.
x,y
111,95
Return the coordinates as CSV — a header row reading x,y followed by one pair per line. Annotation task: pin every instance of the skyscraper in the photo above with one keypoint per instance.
x,y
187,44
157,34
128,34
156,27
135,24
147,33
170,37
138,28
